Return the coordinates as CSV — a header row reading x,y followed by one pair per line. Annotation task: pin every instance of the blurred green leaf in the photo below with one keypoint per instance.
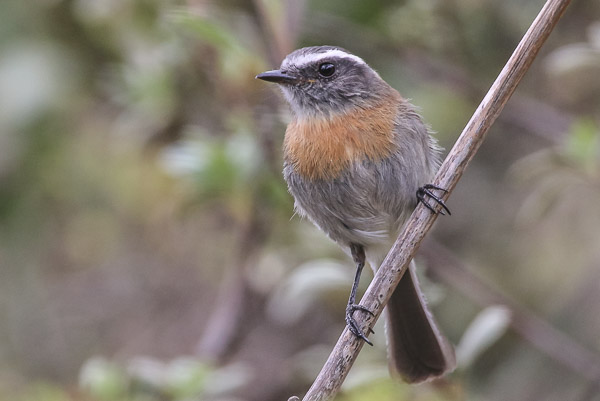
x,y
103,379
210,31
382,390
186,378
44,391
583,145
487,327
310,283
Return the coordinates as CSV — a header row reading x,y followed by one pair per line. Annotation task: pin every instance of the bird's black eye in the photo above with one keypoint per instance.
x,y
326,69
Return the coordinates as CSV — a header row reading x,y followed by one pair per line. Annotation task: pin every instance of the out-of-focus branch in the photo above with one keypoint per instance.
x,y
223,325
234,294
345,352
281,27
543,336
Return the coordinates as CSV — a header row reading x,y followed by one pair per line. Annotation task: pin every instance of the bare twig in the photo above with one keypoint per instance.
x,y
335,370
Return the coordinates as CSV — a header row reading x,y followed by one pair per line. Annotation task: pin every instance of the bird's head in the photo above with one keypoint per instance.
x,y
323,81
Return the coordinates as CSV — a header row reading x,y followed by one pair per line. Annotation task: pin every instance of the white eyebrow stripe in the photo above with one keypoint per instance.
x,y
306,59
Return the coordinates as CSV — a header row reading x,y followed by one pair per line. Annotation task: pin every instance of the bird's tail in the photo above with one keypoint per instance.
x,y
417,350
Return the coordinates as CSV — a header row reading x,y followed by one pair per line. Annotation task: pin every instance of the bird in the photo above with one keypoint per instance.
x,y
357,158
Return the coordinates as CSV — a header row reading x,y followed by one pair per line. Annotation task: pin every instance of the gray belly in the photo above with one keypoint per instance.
x,y
367,204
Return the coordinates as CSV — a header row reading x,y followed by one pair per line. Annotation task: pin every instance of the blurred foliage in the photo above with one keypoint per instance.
x,y
147,245
148,379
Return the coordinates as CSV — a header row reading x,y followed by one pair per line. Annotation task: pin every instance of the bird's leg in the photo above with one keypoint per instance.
x,y
425,190
358,254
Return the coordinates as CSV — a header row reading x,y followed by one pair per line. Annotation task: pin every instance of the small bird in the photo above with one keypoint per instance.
x,y
357,159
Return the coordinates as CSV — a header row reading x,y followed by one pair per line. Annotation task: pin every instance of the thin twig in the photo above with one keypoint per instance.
x,y
337,366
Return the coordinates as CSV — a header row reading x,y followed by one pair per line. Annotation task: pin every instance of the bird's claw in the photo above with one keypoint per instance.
x,y
426,190
353,324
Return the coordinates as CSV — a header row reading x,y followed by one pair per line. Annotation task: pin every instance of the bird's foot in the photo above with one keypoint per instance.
x,y
353,324
426,191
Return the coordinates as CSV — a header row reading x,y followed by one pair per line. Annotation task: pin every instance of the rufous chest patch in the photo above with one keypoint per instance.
x,y
321,148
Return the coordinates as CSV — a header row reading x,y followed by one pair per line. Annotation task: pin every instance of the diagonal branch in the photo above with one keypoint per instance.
x,y
335,370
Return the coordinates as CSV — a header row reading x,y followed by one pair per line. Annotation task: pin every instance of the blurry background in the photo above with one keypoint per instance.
x,y
147,245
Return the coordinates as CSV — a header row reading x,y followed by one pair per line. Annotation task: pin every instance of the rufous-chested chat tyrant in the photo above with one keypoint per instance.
x,y
357,159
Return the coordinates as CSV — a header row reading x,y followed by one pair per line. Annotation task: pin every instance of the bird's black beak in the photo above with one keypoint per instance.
x,y
277,76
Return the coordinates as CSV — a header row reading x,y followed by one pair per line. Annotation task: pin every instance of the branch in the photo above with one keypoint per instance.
x,y
345,352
